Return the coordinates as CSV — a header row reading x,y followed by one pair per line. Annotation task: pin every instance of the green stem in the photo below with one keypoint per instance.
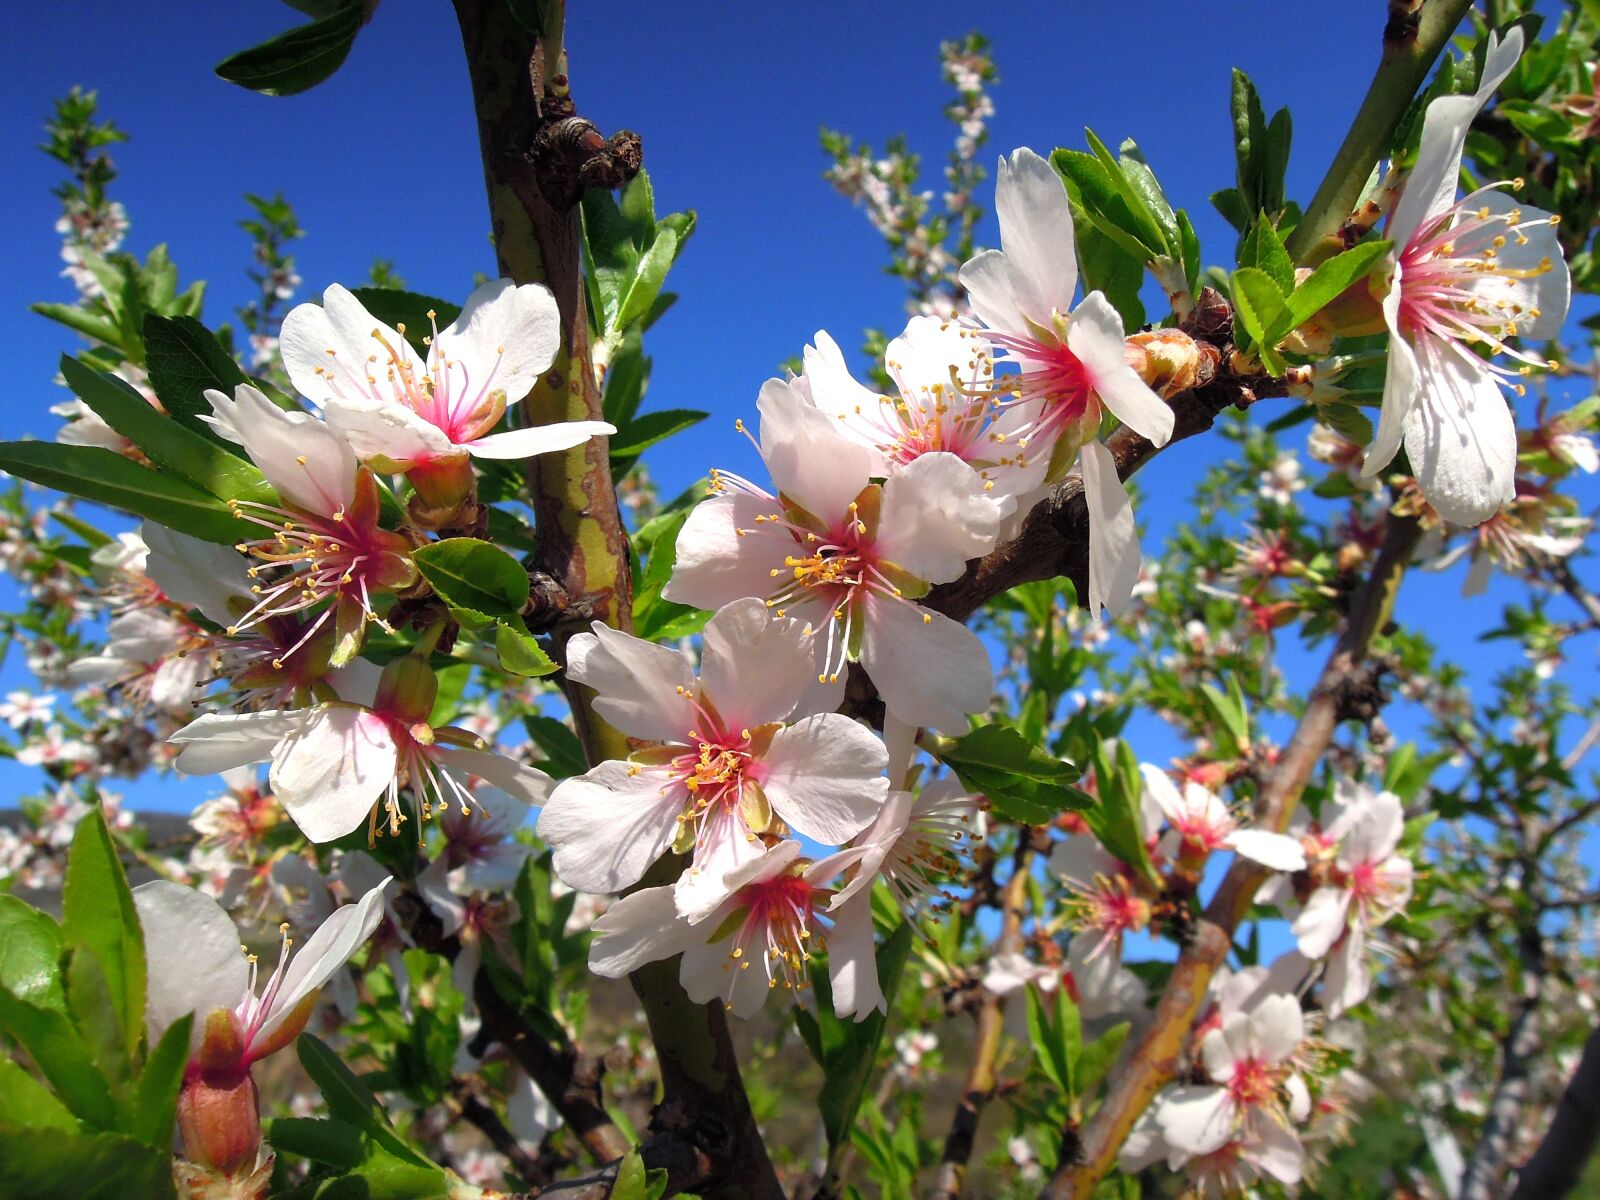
x,y
1408,56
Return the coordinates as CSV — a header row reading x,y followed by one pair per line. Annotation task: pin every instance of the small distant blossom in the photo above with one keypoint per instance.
x,y
1529,531
1467,274
1203,823
24,708
53,748
1281,481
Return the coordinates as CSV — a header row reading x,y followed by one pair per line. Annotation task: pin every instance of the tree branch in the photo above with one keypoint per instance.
x,y
1558,1163
478,1114
539,154
978,1089
1151,1062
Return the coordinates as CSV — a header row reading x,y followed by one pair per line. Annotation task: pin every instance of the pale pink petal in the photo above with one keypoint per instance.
x,y
331,770
1277,1027
824,776
811,462
936,517
724,554
197,574
1321,921
1531,272
360,364
539,439
643,688
930,670
526,783
724,846
505,338
1036,233
310,465
640,928
1399,385
852,962
1196,1120
193,960
1275,850
387,434
1113,539
1346,981
1275,1150
1096,336
991,291
220,741
610,824
754,667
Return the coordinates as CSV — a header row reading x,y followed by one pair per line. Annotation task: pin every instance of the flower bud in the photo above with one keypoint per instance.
x,y
219,1115
445,482
407,689
1171,361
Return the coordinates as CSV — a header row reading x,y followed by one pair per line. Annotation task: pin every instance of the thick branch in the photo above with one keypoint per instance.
x,y
1152,1062
1559,1162
979,1086
1413,37
538,155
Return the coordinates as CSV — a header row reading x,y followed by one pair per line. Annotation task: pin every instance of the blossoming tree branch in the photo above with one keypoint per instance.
x,y
818,833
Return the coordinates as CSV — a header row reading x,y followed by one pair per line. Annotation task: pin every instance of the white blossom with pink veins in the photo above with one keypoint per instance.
x,y
338,763
1071,363
1203,823
943,377
400,413
728,768
1362,881
849,558
1467,275
760,938
1255,1092
196,966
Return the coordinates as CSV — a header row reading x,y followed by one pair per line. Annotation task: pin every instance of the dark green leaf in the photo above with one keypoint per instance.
x,y
173,447
156,1101
475,576
1115,820
94,1013
84,1166
396,308
98,913
1145,226
640,434
185,359
1263,248
299,59
1021,780
24,1101
350,1101
62,1058
30,954
1259,306
563,752
1098,1056
319,1139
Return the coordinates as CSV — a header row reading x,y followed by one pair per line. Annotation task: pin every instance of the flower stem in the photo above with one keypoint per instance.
x,y
1412,41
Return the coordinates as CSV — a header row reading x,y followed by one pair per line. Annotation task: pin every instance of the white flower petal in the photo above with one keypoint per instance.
x,y
386,433
1114,555
1095,335
640,928
824,776
220,741
1275,850
332,768
1400,384
754,667
309,464
811,462
992,292
1321,921
342,325
526,783
198,574
192,957
852,962
1196,1120
936,517
1460,437
1036,233
643,688
505,338
1277,1027
609,825
723,554
929,672
539,439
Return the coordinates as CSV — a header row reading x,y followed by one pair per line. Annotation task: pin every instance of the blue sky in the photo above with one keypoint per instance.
x,y
382,162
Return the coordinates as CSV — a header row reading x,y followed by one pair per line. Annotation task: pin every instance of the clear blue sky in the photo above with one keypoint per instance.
x,y
382,162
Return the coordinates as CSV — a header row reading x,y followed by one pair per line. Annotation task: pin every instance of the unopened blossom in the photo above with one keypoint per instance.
x,y
323,542
761,937
401,414
196,966
1467,276
338,764
1203,824
943,377
729,768
849,558
1071,363
1254,1086
1361,881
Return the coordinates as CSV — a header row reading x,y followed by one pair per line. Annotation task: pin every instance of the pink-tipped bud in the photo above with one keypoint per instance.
x,y
444,483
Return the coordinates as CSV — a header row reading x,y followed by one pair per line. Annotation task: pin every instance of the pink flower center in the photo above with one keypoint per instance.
x,y
1254,1083
779,923
1051,373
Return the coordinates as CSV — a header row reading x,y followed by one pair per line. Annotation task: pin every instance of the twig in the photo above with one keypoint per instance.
x,y
478,1114
1557,1165
1152,1061
979,1087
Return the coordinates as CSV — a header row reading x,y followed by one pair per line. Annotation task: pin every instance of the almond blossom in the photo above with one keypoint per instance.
x,y
1467,276
1254,1089
401,414
1071,363
849,558
1203,823
196,966
943,374
761,936
324,541
1361,882
339,763
728,770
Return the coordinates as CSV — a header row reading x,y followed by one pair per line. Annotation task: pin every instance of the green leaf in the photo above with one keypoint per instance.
x,y
30,954
318,1139
1115,821
1145,226
630,1181
24,1101
1259,306
519,653
1329,280
105,477
349,1100
93,326
94,1013
1189,243
1021,780
1098,1055
396,308
97,913
1136,170
168,444
626,380
1230,203
1249,131
652,273
476,576
299,59
1274,161
638,435
155,1105
563,752
847,1050
84,1166
1263,248
1230,712
62,1058
184,359
1091,186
